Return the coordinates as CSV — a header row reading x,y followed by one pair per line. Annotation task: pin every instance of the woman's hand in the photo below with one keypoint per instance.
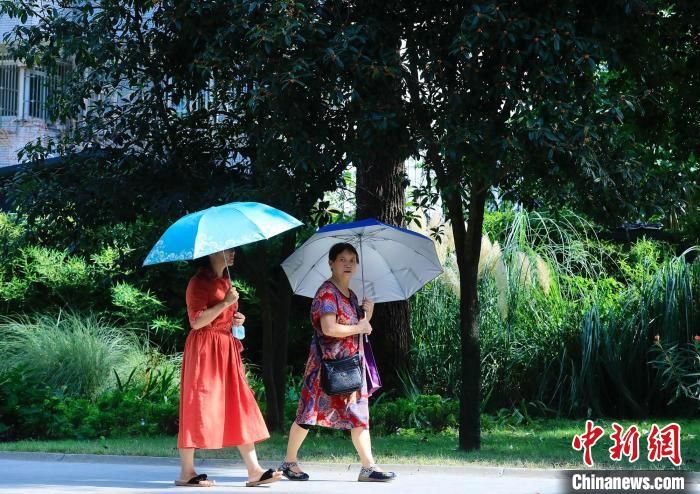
x,y
368,307
231,296
238,319
364,327
351,398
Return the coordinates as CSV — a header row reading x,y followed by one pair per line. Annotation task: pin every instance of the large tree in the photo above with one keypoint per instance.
x,y
177,106
382,143
529,97
540,98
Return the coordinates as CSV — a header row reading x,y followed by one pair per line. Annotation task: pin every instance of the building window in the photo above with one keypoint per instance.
x,y
39,89
185,106
9,90
37,95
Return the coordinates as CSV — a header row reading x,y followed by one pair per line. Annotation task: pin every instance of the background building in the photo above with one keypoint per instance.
x,y
23,95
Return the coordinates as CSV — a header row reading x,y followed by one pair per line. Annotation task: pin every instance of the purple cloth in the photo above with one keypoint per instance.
x,y
374,382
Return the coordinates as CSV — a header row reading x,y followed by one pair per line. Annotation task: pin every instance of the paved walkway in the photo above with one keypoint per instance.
x,y
56,473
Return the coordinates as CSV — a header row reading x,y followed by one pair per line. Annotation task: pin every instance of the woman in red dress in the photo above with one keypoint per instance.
x,y
339,329
217,407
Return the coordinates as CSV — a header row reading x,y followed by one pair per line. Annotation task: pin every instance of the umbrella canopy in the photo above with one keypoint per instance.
x,y
394,262
219,228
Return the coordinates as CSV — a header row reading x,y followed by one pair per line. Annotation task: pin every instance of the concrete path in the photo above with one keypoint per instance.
x,y
56,473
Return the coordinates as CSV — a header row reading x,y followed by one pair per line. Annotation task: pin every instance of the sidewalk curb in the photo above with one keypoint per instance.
x,y
476,470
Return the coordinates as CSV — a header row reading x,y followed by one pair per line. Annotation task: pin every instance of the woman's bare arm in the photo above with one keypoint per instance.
x,y
207,316
330,327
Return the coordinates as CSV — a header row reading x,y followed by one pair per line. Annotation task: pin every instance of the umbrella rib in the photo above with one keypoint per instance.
x,y
393,273
370,238
375,236
184,240
385,239
322,236
391,270
262,233
194,243
242,214
311,241
313,266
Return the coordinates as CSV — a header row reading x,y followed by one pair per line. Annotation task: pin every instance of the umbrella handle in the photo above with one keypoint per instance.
x,y
361,312
228,272
223,253
362,269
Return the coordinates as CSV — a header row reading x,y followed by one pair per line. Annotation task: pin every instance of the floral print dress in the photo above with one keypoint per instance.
x,y
315,406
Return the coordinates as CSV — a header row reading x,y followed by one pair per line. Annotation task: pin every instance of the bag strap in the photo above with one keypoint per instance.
x,y
360,314
358,311
318,346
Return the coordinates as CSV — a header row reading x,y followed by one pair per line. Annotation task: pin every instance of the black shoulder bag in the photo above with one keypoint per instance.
x,y
340,376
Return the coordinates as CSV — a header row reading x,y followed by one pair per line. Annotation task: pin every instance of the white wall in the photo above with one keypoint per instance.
x,y
16,132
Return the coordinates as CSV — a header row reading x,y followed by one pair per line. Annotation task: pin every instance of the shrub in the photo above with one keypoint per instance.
x,y
28,409
143,400
680,368
65,351
435,357
426,412
146,406
11,233
136,407
578,325
138,307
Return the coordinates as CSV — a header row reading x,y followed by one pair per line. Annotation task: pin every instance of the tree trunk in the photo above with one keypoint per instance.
x,y
274,330
468,248
380,194
380,191
282,310
272,415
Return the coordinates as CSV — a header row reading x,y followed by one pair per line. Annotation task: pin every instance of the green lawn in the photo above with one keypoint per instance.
x,y
544,444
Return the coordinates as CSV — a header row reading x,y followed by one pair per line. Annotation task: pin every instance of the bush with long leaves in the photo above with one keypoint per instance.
x,y
76,353
567,320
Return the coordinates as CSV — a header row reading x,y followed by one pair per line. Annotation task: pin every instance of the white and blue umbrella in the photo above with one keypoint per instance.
x,y
394,262
217,229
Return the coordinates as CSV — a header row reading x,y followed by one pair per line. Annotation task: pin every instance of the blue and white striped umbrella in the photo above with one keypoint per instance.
x,y
217,229
394,262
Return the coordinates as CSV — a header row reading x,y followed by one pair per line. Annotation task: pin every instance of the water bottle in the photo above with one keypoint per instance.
x,y
238,332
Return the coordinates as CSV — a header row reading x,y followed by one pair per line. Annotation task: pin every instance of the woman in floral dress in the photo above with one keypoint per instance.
x,y
339,325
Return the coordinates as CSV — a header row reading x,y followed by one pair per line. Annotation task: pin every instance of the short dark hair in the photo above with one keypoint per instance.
x,y
342,247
